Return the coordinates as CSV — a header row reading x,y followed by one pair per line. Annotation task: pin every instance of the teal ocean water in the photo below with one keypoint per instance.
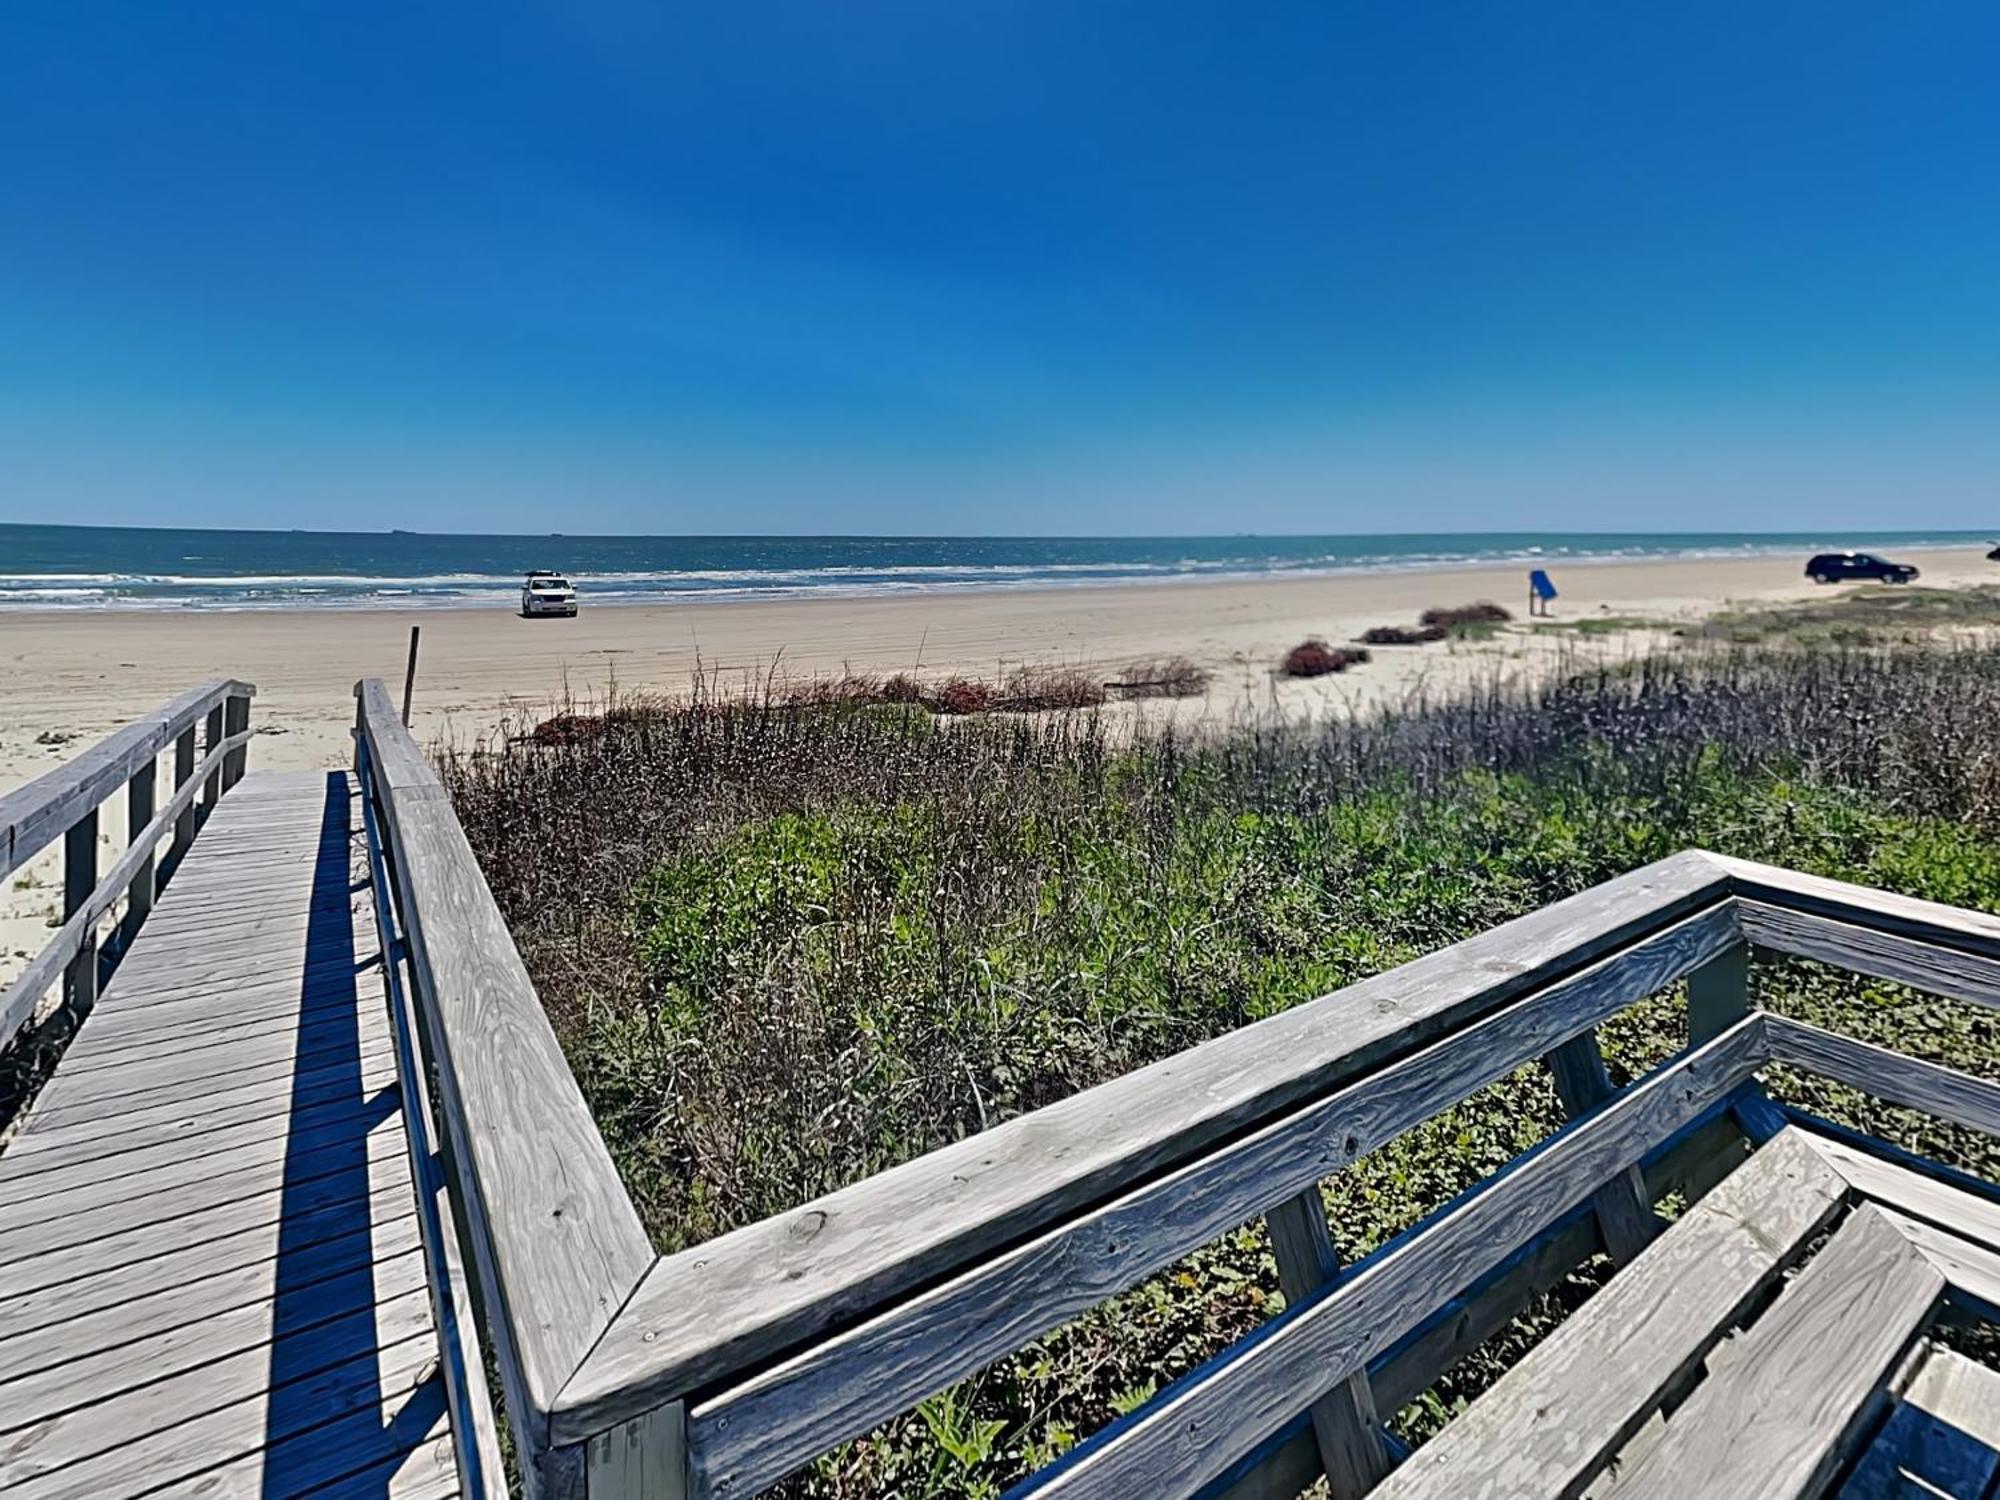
x,y
76,567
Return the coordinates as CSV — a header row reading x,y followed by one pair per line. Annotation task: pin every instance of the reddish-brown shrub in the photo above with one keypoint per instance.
x,y
1315,658
961,695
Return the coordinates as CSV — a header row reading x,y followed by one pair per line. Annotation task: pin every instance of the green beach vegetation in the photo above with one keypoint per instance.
x,y
788,944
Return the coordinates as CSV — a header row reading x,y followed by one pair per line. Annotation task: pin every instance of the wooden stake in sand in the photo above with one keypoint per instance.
x,y
410,674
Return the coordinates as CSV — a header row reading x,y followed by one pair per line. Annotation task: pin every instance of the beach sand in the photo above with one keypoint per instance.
x,y
72,677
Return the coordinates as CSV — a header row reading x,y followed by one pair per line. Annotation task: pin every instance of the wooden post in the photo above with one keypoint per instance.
x,y
1346,1426
643,1459
235,722
211,764
1719,997
79,884
1718,994
1624,1212
410,675
183,769
139,795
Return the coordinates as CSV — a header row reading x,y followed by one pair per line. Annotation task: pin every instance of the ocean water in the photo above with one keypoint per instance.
x,y
77,567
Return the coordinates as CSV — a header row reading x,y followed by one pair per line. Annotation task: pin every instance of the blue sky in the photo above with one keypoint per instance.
x,y
1022,267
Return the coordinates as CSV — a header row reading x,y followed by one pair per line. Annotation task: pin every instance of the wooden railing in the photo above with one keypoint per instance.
x,y
552,1240
65,803
717,1371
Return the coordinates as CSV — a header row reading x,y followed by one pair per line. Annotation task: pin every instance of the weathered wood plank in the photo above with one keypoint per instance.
x,y
135,1028
334,1273
183,773
185,1206
1624,1212
1914,1194
1718,994
1547,1424
1891,1076
139,796
1972,1269
73,951
261,1058
1942,1440
196,1133
480,1466
1778,1420
644,1459
211,758
153,1291
332,1462
331,1031
557,1243
203,976
209,1246
1414,1363
90,1114
193,1007
370,1092
802,1406
164,1253
1190,1433
101,1401
238,1171
1346,1426
304,1150
1863,906
1893,956
130,1442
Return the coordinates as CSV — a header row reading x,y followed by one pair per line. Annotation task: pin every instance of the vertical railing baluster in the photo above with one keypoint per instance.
x,y
140,792
79,884
1718,994
236,720
1346,1425
183,769
211,762
1625,1214
1719,997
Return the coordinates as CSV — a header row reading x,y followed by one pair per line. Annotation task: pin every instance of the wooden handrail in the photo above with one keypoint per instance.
x,y
715,1371
33,816
64,803
746,1356
734,1304
554,1240
763,1427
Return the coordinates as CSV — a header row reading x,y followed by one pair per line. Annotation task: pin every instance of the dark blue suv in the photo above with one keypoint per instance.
x,y
1837,567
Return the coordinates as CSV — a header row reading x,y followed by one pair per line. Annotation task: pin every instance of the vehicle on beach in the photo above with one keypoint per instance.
x,y
1841,567
547,593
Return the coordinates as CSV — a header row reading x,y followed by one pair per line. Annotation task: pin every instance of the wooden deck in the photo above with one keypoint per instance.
x,y
211,1275
1700,1371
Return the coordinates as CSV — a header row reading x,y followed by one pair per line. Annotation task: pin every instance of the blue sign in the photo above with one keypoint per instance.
x,y
1539,582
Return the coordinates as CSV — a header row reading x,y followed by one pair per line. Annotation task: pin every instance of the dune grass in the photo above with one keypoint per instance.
x,y
786,947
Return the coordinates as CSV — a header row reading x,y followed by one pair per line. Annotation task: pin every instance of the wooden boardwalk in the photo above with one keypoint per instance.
x,y
211,1276
313,1177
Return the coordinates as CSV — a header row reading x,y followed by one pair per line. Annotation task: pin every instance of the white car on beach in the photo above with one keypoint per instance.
x,y
547,594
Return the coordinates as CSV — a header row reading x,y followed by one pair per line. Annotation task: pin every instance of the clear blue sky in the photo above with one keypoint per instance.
x,y
1014,267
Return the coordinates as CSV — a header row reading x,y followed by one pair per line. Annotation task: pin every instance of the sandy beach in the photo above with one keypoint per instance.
x,y
74,676
80,674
